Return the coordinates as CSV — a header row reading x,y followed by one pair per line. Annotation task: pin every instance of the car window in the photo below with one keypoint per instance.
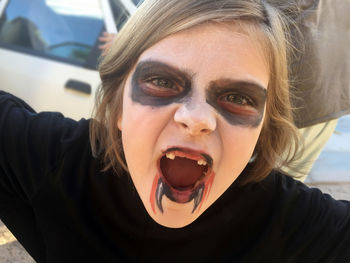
x,y
65,29
137,2
120,13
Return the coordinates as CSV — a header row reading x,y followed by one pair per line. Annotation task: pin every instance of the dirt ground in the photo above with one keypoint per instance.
x,y
12,252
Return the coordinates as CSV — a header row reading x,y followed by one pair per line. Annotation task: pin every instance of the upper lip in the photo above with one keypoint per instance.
x,y
191,154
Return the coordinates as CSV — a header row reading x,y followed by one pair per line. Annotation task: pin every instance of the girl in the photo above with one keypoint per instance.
x,y
180,162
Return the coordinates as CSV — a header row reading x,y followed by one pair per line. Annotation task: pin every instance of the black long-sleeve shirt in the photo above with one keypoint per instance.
x,y
59,204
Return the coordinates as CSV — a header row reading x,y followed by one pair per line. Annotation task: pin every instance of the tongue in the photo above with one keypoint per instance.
x,y
181,172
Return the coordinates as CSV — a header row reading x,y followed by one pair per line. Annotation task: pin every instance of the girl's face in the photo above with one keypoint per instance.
x,y
192,113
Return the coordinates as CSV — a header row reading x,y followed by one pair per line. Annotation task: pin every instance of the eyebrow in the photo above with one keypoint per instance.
x,y
146,67
229,84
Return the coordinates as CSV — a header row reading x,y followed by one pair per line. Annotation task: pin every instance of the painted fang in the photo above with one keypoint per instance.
x,y
183,176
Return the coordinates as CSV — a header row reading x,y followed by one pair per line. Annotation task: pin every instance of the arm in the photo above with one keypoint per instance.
x,y
30,146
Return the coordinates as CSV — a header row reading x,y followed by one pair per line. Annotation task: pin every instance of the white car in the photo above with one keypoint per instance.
x,y
49,50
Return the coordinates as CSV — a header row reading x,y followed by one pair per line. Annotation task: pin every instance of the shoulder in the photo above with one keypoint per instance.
x,y
296,206
315,225
291,192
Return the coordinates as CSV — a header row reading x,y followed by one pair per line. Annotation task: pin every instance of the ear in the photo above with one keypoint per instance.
x,y
119,122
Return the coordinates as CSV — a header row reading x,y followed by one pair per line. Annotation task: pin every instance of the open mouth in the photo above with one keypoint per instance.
x,y
183,175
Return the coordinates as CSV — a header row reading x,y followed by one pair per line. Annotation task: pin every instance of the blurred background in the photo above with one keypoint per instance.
x,y
333,165
49,51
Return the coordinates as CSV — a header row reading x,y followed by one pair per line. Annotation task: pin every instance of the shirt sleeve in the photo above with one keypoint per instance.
x,y
31,145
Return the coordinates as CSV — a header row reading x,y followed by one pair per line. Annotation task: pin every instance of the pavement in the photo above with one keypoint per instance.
x,y
331,174
11,250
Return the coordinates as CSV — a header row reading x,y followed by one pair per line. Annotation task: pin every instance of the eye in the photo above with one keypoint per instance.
x,y
164,83
237,104
237,99
161,87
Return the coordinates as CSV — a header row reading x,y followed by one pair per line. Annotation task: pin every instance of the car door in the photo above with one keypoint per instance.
x,y
49,51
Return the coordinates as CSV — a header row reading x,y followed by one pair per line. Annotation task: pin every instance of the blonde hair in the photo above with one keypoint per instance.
x,y
156,19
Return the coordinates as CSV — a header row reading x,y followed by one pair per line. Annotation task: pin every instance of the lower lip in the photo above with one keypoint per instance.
x,y
182,196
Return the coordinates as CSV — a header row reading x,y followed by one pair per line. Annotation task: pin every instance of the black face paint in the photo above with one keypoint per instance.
x,y
239,102
157,84
164,189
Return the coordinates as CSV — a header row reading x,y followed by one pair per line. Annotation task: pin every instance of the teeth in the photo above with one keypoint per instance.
x,y
201,162
170,155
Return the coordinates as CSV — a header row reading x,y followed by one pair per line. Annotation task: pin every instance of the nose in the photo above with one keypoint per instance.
x,y
196,118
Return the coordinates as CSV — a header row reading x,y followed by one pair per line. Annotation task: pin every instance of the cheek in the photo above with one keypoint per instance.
x,y
240,143
238,147
142,126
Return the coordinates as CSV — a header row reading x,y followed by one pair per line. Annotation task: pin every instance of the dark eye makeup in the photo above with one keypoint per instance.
x,y
158,84
160,87
239,102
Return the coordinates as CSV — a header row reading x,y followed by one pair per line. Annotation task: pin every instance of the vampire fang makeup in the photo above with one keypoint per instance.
x,y
183,176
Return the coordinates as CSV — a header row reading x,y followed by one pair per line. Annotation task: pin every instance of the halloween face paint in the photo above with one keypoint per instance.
x,y
239,102
157,84
193,109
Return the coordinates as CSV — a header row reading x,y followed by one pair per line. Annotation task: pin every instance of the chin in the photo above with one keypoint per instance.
x,y
176,215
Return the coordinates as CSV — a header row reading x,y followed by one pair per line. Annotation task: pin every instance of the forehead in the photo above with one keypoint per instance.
x,y
213,51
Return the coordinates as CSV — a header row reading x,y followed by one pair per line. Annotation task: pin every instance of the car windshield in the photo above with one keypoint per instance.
x,y
66,29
